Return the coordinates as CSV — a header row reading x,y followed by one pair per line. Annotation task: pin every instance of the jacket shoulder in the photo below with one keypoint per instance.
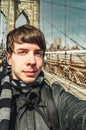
x,y
71,110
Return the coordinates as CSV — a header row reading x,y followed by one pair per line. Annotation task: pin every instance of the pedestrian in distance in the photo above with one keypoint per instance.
x,y
27,101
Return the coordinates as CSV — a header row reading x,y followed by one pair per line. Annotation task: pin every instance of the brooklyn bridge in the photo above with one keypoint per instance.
x,y
64,26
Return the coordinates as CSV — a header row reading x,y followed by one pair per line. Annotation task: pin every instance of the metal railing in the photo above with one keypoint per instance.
x,y
70,65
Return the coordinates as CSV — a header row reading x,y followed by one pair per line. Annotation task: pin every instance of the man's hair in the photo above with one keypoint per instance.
x,y
25,33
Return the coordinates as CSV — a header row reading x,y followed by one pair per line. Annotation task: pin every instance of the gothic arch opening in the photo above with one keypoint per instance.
x,y
22,19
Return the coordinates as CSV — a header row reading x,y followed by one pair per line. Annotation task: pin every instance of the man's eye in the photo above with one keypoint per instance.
x,y
22,52
39,53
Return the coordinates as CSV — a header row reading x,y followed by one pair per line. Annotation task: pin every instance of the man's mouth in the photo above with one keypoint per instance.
x,y
31,73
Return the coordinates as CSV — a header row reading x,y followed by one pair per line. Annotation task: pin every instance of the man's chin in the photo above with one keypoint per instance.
x,y
29,80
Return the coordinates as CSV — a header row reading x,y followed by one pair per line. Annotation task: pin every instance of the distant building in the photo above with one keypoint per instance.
x,y
57,43
66,47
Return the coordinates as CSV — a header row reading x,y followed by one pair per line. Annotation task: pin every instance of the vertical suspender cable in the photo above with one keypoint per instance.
x,y
52,20
65,26
33,11
1,29
43,16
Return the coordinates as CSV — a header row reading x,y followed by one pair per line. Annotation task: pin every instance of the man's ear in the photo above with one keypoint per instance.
x,y
8,56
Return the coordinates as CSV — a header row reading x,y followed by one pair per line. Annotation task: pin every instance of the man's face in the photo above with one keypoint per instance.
x,y
26,61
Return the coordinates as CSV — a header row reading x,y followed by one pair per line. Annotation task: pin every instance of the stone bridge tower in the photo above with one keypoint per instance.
x,y
12,9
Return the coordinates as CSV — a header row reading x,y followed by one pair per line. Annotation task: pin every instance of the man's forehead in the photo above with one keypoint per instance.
x,y
25,45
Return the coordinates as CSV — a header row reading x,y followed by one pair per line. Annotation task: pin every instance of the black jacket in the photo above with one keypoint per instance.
x,y
71,112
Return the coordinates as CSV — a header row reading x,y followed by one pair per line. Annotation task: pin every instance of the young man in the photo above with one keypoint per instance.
x,y
24,99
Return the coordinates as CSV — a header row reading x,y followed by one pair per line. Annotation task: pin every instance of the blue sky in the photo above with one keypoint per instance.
x,y
56,19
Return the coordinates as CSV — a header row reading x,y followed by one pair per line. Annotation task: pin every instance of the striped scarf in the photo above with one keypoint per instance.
x,y
5,104
6,98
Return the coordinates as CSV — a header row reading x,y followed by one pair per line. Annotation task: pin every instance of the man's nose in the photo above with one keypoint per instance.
x,y
31,59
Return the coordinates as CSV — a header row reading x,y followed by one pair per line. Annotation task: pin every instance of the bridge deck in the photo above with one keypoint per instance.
x,y
69,86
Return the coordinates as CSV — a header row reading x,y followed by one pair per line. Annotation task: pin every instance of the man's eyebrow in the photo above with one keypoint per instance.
x,y
29,49
22,49
39,50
